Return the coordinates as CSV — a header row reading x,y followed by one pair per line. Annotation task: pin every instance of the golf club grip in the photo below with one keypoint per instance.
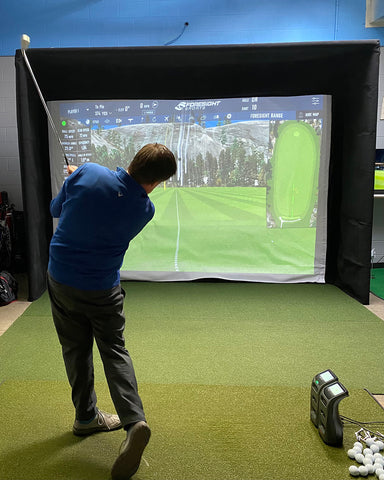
x,y
44,104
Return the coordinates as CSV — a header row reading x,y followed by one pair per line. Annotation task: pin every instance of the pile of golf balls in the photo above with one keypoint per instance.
x,y
370,459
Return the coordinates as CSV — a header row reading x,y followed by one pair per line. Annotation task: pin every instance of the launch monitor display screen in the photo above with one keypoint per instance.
x,y
249,199
326,376
335,389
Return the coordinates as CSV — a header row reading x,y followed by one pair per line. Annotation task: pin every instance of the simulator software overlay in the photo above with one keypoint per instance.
x,y
249,200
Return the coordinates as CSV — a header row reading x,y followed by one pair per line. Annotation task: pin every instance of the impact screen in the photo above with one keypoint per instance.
x,y
249,199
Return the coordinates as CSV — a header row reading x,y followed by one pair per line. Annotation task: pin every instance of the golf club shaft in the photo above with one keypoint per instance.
x,y
44,104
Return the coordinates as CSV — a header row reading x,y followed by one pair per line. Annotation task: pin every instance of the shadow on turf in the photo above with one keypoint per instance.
x,y
49,459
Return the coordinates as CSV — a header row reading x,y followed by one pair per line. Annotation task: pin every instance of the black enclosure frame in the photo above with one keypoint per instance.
x,y
346,70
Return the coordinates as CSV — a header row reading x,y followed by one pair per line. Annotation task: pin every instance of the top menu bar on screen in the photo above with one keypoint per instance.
x,y
211,112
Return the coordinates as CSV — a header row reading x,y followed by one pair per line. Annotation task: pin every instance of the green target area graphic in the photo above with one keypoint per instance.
x,y
379,179
293,180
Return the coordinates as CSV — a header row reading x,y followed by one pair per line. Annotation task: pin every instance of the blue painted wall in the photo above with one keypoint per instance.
x,y
94,23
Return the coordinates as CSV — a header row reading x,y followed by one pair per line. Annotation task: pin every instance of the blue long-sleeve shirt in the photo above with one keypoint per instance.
x,y
99,211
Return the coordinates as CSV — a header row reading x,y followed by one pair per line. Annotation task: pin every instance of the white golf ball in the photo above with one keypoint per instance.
x,y
379,460
368,460
380,444
358,445
367,451
371,469
379,471
359,457
381,477
375,448
369,441
354,471
363,471
351,453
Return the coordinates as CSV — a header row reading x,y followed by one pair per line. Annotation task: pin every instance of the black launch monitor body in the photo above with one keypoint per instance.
x,y
326,394
330,425
320,381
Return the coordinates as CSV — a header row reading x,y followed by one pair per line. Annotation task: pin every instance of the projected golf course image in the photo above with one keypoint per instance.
x,y
248,201
218,229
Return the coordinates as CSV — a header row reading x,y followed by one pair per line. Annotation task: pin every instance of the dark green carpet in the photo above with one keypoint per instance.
x,y
224,372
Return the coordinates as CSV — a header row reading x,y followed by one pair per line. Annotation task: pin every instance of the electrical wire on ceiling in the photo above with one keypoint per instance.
x,y
177,38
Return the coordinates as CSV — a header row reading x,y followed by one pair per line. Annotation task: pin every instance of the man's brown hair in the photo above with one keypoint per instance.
x,y
152,163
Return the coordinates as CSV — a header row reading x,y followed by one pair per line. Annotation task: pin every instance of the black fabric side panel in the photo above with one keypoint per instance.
x,y
346,70
350,203
35,178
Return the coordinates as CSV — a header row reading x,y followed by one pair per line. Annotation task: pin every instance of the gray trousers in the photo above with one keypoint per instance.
x,y
80,316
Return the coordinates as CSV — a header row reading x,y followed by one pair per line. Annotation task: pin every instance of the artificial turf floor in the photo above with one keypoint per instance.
x,y
224,371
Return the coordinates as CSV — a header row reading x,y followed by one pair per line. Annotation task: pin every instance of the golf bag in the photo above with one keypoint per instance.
x,y
12,237
8,288
5,233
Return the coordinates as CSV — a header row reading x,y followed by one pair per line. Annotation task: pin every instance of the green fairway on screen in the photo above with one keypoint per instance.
x,y
248,201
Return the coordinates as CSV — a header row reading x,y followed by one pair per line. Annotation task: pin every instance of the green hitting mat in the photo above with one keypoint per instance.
x,y
224,371
377,282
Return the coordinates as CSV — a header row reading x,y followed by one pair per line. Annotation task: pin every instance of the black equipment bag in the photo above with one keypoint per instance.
x,y
8,288
5,245
5,232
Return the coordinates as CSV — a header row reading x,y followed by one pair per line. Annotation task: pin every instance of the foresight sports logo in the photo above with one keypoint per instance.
x,y
201,105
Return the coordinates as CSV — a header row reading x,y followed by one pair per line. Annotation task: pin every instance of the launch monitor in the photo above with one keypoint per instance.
x,y
319,382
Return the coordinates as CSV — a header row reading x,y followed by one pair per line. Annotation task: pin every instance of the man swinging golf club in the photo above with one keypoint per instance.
x,y
100,211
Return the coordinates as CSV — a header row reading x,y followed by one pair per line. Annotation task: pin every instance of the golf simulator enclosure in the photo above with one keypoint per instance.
x,y
275,146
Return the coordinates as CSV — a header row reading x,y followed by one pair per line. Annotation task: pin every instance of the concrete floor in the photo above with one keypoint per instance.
x,y
376,305
10,313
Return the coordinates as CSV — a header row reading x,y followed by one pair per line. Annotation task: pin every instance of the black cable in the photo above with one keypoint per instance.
x,y
175,39
362,426
350,420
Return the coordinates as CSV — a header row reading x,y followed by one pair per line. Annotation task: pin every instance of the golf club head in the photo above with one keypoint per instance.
x,y
25,41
